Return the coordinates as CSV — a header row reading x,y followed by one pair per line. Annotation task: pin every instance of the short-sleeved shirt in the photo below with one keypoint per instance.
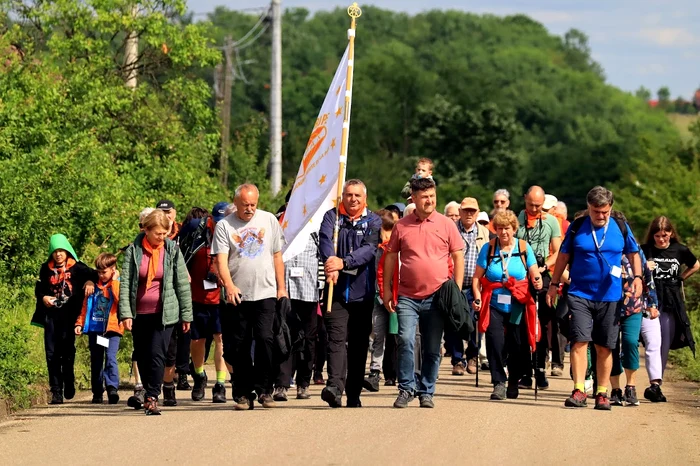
x,y
669,260
424,248
250,247
494,271
539,236
592,270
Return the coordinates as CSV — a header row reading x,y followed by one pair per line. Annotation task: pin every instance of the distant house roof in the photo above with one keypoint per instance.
x,y
653,103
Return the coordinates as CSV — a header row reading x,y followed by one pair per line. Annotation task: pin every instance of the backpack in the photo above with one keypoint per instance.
x,y
522,252
575,227
195,239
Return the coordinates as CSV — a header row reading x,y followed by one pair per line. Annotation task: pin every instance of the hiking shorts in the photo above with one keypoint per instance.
x,y
595,321
206,321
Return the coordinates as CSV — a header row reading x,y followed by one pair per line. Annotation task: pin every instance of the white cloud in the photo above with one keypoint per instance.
x,y
669,37
652,68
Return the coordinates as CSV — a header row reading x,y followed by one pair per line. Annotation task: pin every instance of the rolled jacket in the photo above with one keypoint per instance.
x,y
671,301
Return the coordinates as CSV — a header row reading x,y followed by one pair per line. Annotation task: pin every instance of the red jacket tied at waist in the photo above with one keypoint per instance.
x,y
520,291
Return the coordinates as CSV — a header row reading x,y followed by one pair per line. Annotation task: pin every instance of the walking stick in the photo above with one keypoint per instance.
x,y
537,331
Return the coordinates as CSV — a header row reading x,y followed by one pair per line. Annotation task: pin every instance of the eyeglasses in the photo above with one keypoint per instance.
x,y
496,201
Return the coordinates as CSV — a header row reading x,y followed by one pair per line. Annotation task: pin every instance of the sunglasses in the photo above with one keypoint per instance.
x,y
499,202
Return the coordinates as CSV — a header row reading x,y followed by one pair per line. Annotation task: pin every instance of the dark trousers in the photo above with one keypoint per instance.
x,y
151,340
59,346
547,316
321,344
179,351
301,360
504,348
389,363
349,323
251,321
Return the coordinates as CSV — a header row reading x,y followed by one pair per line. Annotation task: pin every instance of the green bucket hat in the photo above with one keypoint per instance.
x,y
59,241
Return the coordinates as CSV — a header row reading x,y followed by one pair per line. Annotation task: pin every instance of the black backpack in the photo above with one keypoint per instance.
x,y
575,227
195,240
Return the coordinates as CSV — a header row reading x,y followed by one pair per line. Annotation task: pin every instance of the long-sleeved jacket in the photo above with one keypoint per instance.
x,y
357,246
175,294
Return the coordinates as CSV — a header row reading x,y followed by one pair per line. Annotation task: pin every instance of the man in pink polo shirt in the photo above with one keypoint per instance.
x,y
425,240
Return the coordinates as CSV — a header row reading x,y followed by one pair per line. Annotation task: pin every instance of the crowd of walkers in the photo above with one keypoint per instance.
x,y
502,292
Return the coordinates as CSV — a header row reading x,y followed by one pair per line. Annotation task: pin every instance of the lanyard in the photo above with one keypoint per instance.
x,y
595,238
505,262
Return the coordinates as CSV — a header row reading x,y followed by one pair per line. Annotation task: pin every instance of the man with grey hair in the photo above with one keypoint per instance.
x,y
452,211
593,250
350,267
501,203
248,250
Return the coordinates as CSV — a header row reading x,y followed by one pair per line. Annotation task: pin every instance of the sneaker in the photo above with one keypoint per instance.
x,y
218,393
371,382
653,394
525,382
353,403
97,399
576,400
390,383
616,397
332,396
458,369
169,394
69,390
200,384
303,393
557,371
150,406
56,398
631,396
471,366
499,392
588,386
541,380
512,391
266,400
403,399
280,394
243,404
602,402
182,383
112,395
136,401
426,401
318,379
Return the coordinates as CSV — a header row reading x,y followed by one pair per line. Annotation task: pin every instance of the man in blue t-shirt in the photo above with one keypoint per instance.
x,y
597,245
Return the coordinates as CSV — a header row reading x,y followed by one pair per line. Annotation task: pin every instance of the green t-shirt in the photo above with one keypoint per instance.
x,y
541,234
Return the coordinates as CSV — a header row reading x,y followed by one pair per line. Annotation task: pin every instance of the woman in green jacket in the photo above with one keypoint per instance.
x,y
154,297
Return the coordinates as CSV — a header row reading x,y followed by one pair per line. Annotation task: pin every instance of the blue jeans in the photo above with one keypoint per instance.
x,y
454,344
411,313
104,369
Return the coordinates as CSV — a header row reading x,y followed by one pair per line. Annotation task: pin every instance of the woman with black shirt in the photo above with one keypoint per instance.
x,y
666,256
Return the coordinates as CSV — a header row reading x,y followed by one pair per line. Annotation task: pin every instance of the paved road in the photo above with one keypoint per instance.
x,y
464,428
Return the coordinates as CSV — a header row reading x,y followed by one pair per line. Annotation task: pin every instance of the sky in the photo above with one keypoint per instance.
x,y
651,43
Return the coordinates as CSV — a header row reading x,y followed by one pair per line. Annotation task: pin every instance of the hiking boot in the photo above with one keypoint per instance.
x,y
458,369
390,383
602,402
218,393
353,403
371,382
243,403
616,397
97,399
200,384
182,383
150,406
112,395
557,371
471,366
653,394
136,400
541,380
267,401
303,393
576,400
499,392
56,398
280,394
426,401
169,394
525,382
512,391
318,379
631,396
69,390
332,396
485,366
403,399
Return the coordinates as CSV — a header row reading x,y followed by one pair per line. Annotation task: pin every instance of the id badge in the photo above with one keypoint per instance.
x,y
504,299
102,341
616,271
209,285
296,272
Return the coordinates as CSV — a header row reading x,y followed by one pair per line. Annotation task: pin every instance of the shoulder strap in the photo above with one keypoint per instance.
x,y
623,228
492,249
522,251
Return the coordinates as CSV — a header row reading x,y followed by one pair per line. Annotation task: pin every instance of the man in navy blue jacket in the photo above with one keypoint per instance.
x,y
351,269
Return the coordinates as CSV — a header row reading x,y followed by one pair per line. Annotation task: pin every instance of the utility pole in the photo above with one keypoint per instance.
x,y
131,53
226,111
276,99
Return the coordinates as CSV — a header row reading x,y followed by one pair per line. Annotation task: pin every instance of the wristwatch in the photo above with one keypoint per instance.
x,y
639,277
555,284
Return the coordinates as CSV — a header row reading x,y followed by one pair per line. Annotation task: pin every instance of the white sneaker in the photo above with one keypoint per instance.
x,y
588,385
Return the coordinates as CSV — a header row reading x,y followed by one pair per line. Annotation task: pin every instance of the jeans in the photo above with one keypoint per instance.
x,y
104,369
383,348
59,346
420,313
454,344
626,354
301,360
151,340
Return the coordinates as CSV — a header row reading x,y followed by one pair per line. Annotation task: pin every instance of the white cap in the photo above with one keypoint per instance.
x,y
549,201
482,217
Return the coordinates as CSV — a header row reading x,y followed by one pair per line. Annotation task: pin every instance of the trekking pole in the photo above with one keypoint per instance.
x,y
537,318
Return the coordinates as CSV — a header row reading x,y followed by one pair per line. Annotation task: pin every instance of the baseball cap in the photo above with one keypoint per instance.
x,y
469,203
482,217
218,212
549,201
165,204
401,206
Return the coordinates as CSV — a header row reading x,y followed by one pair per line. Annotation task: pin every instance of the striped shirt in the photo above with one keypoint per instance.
x,y
301,273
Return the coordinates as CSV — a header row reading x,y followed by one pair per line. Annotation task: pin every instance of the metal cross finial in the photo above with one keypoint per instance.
x,y
354,11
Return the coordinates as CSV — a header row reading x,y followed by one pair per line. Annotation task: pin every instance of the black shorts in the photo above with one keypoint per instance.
x,y
206,321
594,321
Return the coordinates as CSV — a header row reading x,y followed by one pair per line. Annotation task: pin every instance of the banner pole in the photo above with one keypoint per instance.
x,y
354,12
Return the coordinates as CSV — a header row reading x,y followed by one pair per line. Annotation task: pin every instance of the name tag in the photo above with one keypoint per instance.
x,y
296,272
102,341
504,299
616,271
209,285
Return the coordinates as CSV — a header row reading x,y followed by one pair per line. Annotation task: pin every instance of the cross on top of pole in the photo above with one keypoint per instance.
x,y
354,11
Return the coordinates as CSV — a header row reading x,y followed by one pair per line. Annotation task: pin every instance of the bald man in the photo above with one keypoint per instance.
x,y
543,233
